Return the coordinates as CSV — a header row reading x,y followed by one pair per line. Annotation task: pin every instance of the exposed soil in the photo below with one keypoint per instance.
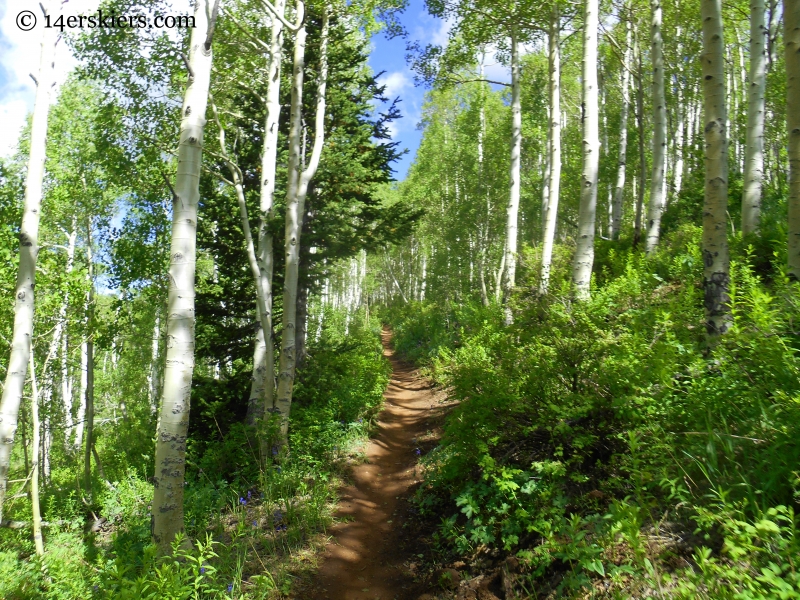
x,y
368,557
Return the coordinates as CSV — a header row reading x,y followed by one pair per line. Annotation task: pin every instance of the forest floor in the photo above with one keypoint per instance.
x,y
376,545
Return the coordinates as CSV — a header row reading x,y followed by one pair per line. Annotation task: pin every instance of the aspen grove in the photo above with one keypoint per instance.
x,y
217,279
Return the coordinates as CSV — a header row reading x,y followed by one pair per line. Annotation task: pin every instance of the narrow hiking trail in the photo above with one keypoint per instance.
x,y
365,559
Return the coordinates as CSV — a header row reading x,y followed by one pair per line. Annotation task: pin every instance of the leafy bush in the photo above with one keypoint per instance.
x,y
587,433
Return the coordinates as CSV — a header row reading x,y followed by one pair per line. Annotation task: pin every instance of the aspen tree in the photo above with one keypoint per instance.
x,y
584,254
680,127
754,146
637,219
28,250
716,274
791,24
262,389
554,50
89,414
297,188
512,211
170,460
619,188
656,205
36,448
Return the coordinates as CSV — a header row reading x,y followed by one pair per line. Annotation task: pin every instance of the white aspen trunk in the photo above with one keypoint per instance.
x,y
546,167
690,133
619,189
741,99
26,275
656,205
263,311
772,34
262,388
153,378
170,460
80,416
512,211
730,85
554,150
584,253
754,145
424,276
791,24
680,127
59,339
89,428
297,189
66,385
66,391
637,219
36,521
715,240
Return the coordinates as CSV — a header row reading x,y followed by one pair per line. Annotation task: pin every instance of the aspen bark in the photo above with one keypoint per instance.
x,y
262,309
772,35
680,126
584,253
59,338
262,388
715,241
619,188
87,454
554,150
83,383
637,219
36,520
154,376
546,167
791,24
656,205
167,512
754,146
297,188
26,274
512,211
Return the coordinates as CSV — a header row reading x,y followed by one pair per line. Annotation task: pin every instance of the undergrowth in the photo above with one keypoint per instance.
x,y
253,526
606,446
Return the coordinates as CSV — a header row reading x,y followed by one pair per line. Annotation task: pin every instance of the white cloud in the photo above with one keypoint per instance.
x,y
396,83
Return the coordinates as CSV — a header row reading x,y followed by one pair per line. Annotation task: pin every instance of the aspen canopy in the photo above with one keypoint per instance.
x,y
441,299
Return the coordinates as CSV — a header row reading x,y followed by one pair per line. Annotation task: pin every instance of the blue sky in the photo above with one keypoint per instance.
x,y
388,55
19,54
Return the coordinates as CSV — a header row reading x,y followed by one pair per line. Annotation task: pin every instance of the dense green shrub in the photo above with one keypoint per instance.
x,y
233,503
586,432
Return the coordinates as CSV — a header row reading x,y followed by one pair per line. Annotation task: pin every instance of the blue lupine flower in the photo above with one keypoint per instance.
x,y
230,587
255,523
202,570
417,451
242,501
249,494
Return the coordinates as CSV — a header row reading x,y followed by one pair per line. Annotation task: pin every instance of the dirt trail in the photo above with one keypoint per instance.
x,y
365,558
